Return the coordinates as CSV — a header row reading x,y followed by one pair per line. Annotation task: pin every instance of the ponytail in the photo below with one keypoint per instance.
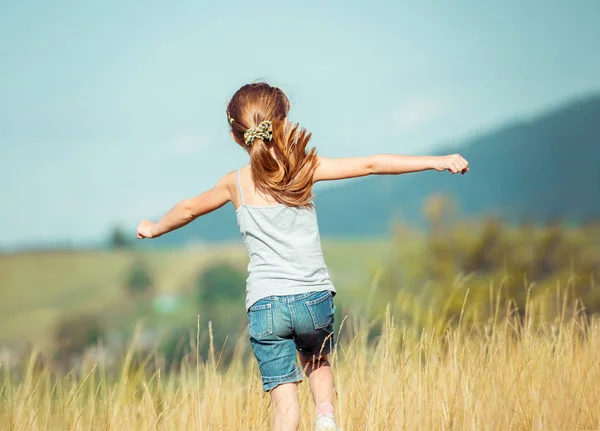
x,y
257,114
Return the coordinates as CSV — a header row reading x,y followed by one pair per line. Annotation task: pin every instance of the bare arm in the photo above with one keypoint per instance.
x,y
188,210
382,164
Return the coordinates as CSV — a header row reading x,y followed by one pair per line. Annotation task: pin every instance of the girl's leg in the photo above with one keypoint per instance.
x,y
320,378
286,409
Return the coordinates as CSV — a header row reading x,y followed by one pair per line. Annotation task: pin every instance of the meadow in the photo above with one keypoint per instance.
x,y
505,374
38,288
470,326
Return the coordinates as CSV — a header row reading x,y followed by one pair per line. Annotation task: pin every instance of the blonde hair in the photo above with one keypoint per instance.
x,y
257,115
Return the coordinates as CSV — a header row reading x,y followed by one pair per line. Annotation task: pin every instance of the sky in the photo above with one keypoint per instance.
x,y
111,112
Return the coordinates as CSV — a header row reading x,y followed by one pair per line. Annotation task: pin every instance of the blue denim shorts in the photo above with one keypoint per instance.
x,y
281,325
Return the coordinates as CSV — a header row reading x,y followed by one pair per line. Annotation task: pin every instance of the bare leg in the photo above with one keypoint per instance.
x,y
320,378
286,409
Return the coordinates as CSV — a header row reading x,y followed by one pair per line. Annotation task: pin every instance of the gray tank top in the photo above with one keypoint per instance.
x,y
285,252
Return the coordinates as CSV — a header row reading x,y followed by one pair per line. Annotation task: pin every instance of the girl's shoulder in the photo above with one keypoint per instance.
x,y
231,181
232,178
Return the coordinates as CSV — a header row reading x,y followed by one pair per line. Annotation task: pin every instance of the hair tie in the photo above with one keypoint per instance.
x,y
263,131
230,118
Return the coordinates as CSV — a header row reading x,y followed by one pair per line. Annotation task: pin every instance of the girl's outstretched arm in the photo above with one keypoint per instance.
x,y
382,164
188,210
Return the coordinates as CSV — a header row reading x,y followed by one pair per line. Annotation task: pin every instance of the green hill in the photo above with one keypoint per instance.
x,y
544,168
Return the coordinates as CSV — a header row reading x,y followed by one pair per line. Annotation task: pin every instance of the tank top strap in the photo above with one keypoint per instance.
x,y
240,187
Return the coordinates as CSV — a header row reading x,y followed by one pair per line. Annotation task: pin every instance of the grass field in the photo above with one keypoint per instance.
x,y
36,289
514,370
500,376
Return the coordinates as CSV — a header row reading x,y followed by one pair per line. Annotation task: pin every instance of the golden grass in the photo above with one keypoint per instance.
x,y
498,376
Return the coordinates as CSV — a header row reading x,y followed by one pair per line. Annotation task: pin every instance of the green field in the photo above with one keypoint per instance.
x,y
36,289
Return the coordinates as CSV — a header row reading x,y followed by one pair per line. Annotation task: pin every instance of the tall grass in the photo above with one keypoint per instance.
x,y
509,373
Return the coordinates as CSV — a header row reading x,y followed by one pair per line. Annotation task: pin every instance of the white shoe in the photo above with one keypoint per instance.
x,y
325,422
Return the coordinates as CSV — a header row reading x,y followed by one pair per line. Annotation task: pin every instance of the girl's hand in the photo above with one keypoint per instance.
x,y
144,229
454,163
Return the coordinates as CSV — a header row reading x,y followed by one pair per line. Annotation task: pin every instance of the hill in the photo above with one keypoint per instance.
x,y
544,168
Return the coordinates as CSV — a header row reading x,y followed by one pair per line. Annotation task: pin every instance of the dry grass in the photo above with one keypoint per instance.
x,y
503,375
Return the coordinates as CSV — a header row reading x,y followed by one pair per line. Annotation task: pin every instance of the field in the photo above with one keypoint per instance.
x,y
36,289
500,376
471,361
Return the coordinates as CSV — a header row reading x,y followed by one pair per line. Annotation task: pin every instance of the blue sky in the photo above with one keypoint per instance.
x,y
113,111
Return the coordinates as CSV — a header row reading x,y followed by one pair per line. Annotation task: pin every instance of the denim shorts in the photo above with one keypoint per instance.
x,y
281,325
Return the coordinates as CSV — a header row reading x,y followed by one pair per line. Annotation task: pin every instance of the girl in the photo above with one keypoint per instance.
x,y
289,296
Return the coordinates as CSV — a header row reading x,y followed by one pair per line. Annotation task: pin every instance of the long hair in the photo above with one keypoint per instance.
x,y
286,174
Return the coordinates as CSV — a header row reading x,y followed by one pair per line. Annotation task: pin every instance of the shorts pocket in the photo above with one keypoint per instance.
x,y
322,310
260,321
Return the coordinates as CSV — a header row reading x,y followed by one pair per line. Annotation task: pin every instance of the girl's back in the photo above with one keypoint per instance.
x,y
283,244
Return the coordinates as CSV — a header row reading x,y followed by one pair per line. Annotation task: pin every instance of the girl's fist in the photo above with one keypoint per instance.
x,y
144,229
454,163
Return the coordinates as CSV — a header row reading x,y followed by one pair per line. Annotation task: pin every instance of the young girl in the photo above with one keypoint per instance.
x,y
289,295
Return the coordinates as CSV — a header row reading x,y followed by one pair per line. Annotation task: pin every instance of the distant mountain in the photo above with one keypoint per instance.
x,y
542,169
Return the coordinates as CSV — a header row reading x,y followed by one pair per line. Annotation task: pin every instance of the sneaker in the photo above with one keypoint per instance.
x,y
325,422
